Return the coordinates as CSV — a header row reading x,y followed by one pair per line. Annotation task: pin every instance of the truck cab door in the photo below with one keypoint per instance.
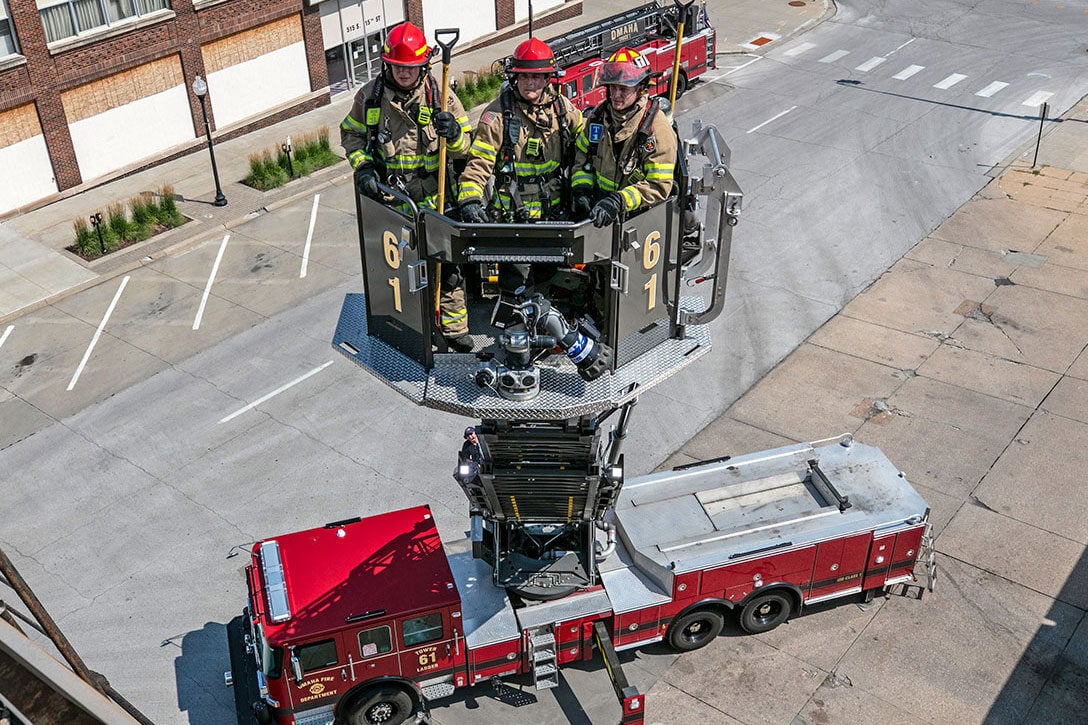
x,y
314,672
433,648
398,305
372,653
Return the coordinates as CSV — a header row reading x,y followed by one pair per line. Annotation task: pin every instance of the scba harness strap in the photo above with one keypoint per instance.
x,y
506,172
640,147
422,115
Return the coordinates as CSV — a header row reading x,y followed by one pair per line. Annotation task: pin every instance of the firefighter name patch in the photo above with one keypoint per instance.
x,y
596,132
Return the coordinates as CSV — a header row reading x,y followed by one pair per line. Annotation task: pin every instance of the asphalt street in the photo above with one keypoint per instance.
x,y
155,422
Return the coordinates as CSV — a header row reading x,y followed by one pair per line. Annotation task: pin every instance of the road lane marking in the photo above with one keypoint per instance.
x,y
97,333
1037,99
832,57
799,49
949,81
211,279
773,118
4,337
734,70
276,392
309,236
904,45
908,72
870,64
992,89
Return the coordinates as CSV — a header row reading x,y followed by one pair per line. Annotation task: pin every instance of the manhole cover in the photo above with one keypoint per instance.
x,y
797,3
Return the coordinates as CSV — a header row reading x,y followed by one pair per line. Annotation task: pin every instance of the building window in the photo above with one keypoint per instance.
x,y
72,17
8,46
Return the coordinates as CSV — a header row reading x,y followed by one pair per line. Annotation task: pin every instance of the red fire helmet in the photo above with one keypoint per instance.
x,y
625,67
533,56
406,45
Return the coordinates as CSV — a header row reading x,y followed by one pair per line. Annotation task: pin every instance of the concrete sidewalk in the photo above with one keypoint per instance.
x,y
35,269
967,363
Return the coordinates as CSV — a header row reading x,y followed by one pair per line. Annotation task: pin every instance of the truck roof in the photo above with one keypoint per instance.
x,y
356,570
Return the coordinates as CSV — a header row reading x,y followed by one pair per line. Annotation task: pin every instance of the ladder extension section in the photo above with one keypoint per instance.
x,y
633,704
600,39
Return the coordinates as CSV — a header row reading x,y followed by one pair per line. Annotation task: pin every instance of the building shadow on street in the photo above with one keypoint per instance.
x,y
1049,683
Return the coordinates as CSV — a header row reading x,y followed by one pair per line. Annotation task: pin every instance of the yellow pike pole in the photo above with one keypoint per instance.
x,y
682,11
440,207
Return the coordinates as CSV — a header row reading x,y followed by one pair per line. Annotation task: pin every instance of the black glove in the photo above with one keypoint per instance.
x,y
446,125
607,210
473,212
366,180
580,205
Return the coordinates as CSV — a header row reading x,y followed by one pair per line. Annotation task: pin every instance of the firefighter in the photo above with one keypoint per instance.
x,y
470,449
525,141
391,135
626,154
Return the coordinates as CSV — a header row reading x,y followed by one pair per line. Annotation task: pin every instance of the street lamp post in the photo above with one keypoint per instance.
x,y
200,88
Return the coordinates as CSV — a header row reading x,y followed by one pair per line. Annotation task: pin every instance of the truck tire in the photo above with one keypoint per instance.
x,y
764,612
384,705
681,84
695,629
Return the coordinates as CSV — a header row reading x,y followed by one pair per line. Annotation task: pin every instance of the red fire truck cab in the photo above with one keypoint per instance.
x,y
367,620
652,31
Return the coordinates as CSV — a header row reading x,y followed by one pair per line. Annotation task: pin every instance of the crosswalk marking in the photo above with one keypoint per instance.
x,y
1037,99
832,57
908,72
992,89
870,64
799,49
949,81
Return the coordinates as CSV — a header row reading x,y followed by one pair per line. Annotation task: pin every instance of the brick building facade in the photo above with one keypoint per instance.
x,y
62,96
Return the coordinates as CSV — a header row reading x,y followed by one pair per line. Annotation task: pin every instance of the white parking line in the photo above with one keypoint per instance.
x,y
992,89
870,64
4,337
949,81
1037,99
97,333
908,72
309,236
799,49
832,57
208,287
275,392
756,128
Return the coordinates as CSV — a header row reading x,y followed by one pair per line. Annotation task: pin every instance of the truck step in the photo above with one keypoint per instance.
x,y
545,676
438,690
543,640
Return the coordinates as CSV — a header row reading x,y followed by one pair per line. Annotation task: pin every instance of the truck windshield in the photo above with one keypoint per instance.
x,y
271,657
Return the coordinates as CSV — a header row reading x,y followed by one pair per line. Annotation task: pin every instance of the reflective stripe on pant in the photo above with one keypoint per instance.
x,y
453,312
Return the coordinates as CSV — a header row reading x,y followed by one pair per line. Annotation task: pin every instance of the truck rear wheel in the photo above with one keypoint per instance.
x,y
764,612
695,629
681,84
381,706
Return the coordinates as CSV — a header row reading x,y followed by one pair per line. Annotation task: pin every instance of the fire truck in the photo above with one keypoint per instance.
x,y
366,620
651,30
369,619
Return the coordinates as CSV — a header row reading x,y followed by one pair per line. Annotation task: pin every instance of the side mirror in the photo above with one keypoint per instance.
x,y
296,666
